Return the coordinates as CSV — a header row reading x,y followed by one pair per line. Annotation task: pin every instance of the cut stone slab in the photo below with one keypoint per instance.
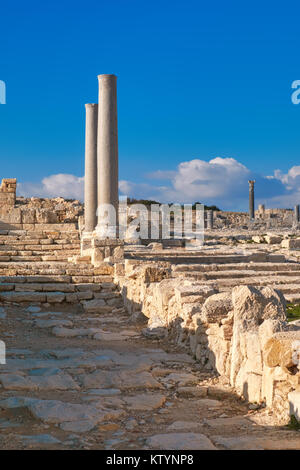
x,y
180,441
57,412
61,381
145,402
55,297
78,426
15,402
96,306
22,297
123,380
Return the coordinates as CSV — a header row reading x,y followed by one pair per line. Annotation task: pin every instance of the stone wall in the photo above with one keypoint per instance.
x,y
32,213
264,219
241,335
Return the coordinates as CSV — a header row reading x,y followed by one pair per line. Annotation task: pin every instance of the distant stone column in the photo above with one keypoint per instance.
x,y
210,219
251,199
107,150
90,179
296,214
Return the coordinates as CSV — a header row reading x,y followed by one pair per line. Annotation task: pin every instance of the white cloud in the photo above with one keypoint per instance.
x,y
64,185
220,181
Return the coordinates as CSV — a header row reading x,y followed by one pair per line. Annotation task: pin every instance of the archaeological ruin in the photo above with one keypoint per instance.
x,y
145,343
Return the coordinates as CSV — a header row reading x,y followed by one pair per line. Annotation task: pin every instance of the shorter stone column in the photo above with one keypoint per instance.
x,y
90,179
251,199
210,219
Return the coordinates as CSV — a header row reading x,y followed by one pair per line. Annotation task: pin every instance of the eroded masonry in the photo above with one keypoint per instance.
x,y
140,343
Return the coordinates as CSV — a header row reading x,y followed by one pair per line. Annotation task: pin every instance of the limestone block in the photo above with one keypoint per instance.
x,y
28,216
22,296
96,306
119,270
216,307
11,216
282,349
55,297
118,253
103,268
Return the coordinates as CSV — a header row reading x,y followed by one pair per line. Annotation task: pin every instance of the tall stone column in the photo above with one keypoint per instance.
x,y
107,157
251,199
90,179
296,214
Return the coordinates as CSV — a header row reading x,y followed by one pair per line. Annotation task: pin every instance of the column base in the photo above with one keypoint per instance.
x,y
102,250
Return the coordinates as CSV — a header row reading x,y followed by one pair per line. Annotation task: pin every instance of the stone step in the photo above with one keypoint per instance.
x,y
105,294
48,287
206,259
80,279
269,266
218,275
291,287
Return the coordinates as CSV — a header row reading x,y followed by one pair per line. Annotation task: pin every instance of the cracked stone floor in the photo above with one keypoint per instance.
x,y
77,381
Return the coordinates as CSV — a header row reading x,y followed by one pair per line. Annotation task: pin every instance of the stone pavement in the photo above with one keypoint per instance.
x,y
74,380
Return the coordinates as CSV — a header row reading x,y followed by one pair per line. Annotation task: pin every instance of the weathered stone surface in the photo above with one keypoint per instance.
x,y
182,378
282,349
180,441
123,380
59,381
216,307
145,402
22,296
96,306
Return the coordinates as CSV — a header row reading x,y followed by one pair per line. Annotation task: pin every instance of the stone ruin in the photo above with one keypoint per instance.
x,y
18,213
224,302
8,192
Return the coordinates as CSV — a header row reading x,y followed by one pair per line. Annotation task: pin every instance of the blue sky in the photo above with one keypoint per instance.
x,y
196,81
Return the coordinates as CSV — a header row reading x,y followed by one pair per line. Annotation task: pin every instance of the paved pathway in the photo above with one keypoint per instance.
x,y
74,381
